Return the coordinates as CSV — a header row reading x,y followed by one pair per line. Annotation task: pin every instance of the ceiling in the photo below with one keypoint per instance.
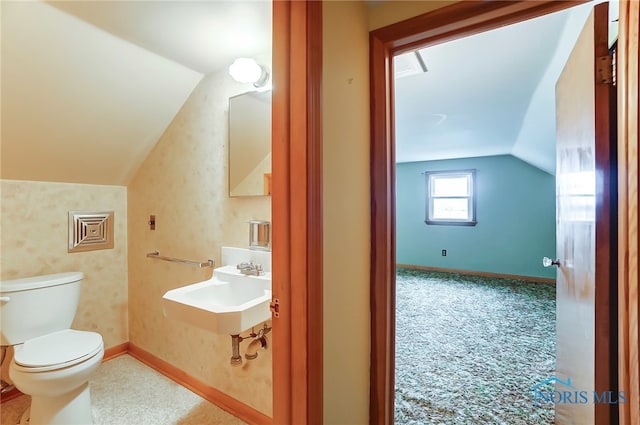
x,y
88,87
205,36
487,94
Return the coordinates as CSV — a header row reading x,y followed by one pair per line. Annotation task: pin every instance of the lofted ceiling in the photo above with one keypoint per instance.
x,y
488,94
205,36
89,87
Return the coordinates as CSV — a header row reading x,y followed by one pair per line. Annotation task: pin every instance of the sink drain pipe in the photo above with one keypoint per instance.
x,y
259,341
236,360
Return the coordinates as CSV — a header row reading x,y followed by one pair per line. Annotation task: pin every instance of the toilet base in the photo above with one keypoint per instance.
x,y
72,408
26,416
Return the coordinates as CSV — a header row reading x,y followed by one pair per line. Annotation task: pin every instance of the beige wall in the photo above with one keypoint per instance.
x,y
184,183
390,12
346,212
347,199
35,239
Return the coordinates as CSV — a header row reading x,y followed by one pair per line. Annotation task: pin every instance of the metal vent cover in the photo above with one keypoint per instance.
x,y
89,230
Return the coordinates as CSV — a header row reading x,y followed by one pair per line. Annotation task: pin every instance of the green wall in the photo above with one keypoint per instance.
x,y
515,209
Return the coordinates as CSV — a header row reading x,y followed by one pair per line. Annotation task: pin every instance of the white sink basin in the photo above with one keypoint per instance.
x,y
228,303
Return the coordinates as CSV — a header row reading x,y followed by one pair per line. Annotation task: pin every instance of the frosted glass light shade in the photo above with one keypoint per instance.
x,y
246,70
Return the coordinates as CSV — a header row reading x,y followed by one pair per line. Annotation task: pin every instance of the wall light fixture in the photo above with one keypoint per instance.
x,y
246,70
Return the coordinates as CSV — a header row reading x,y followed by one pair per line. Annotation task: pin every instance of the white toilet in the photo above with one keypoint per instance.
x,y
51,363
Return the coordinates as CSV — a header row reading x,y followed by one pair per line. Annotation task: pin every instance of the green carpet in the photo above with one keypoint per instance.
x,y
469,349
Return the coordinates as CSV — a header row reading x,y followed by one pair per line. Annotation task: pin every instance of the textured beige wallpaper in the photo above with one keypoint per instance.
x,y
35,238
184,183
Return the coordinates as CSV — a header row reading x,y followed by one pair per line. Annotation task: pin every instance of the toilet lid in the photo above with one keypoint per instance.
x,y
57,348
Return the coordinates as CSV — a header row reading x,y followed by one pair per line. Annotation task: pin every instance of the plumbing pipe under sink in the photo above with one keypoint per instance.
x,y
259,340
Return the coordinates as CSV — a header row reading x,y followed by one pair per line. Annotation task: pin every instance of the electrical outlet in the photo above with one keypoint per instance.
x,y
444,252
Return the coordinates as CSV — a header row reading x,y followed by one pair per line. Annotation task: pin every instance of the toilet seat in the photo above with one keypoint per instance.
x,y
56,350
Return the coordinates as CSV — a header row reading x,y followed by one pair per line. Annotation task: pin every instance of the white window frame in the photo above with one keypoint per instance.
x,y
430,177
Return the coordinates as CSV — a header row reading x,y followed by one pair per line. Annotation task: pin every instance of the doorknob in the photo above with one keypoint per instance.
x,y
548,262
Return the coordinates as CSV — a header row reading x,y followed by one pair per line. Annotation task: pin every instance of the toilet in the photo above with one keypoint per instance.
x,y
52,362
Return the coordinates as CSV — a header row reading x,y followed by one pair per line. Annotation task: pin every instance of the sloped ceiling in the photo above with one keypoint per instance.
x,y
205,35
89,87
489,94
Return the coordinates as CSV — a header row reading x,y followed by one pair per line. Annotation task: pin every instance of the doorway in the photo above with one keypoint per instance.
x,y
475,315
446,24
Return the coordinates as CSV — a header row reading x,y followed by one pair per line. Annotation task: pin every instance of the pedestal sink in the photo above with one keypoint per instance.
x,y
228,303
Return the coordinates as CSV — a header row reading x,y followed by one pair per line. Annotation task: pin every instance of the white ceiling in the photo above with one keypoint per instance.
x,y
488,94
88,87
205,36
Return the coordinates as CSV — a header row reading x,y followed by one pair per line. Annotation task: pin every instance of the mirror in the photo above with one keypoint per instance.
x,y
250,144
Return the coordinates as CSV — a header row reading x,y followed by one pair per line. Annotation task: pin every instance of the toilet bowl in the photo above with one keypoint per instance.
x,y
52,363
54,370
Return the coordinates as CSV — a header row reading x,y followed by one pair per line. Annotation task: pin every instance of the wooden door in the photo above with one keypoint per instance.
x,y
584,191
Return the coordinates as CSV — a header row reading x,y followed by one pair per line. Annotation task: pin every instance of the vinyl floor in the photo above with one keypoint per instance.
x,y
127,392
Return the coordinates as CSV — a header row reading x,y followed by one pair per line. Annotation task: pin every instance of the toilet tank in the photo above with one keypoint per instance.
x,y
35,306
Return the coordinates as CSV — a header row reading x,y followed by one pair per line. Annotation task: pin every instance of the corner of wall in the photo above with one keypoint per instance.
x,y
184,183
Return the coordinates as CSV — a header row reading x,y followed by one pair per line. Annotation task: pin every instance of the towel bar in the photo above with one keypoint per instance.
x,y
156,254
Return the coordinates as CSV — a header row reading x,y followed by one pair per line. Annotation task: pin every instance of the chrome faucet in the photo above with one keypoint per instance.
x,y
250,269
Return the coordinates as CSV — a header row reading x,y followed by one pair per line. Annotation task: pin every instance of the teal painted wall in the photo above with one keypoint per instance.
x,y
515,209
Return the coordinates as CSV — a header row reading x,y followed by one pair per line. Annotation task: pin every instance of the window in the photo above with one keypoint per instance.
x,y
451,197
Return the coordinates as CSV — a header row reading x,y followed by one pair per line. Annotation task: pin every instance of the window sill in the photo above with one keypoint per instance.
x,y
450,223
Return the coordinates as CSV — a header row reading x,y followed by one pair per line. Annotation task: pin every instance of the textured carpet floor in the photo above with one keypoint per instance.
x,y
470,349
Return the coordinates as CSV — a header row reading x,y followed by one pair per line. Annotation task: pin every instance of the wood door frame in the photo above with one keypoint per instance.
x,y
297,212
628,220
445,24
